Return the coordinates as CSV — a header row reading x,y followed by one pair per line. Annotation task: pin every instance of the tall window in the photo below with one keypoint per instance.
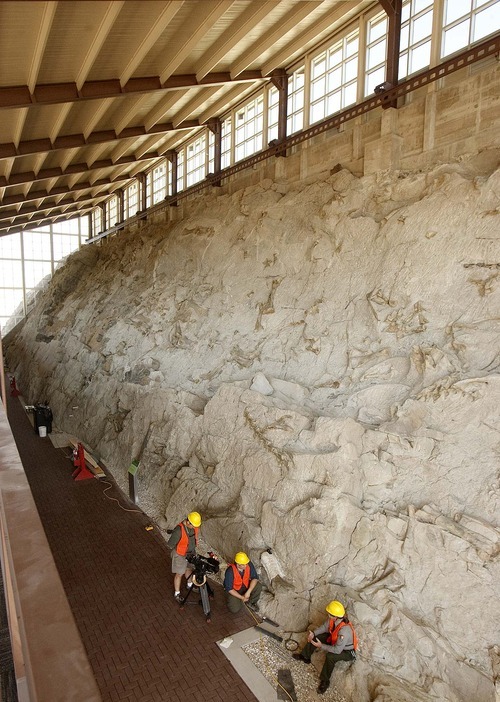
x,y
97,221
211,151
273,97
131,195
112,211
334,75
156,184
416,31
26,258
180,170
159,182
295,108
11,278
226,132
466,22
376,51
249,128
196,160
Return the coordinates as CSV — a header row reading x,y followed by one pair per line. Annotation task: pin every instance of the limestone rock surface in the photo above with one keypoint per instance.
x,y
316,369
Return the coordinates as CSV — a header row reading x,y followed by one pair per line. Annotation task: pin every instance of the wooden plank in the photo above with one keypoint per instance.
x,y
93,465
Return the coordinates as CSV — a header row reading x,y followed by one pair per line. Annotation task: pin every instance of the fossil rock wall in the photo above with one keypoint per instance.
x,y
315,367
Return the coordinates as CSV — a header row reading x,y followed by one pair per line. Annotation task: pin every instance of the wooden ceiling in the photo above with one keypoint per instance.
x,y
93,92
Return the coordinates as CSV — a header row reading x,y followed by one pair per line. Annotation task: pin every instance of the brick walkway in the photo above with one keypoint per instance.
x,y
141,645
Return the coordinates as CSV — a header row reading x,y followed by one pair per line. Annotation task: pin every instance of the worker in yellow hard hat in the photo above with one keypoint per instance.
x,y
183,542
336,637
241,584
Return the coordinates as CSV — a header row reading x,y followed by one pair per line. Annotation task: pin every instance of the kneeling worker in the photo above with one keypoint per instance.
x,y
183,542
241,584
336,637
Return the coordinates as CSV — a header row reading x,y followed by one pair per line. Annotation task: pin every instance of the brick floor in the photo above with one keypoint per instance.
x,y
141,645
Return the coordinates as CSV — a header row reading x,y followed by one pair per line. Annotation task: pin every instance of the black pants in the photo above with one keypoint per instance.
x,y
330,660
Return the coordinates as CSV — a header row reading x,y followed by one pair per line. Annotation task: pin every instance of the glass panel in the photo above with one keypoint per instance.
x,y
334,79
376,54
403,66
318,66
64,244
405,37
405,12
317,111
456,38
335,57
352,47
11,274
350,94
10,246
422,27
486,22
377,28
374,79
318,88
455,9
334,103
35,272
36,245
420,5
420,57
84,227
351,69
10,300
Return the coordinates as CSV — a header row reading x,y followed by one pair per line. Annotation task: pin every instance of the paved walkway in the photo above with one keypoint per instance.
x,y
116,574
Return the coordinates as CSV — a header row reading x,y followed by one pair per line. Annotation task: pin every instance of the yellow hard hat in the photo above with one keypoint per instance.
x,y
335,608
194,518
241,558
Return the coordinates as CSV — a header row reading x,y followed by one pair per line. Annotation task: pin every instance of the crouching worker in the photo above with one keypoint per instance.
x,y
336,637
183,542
241,584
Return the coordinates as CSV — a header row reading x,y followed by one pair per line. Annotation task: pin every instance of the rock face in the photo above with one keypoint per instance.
x,y
315,368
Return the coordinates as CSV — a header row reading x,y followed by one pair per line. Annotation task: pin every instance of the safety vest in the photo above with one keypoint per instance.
x,y
335,630
183,543
238,580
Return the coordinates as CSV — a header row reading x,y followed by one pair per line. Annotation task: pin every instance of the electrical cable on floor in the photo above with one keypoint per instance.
x,y
263,656
113,499
110,485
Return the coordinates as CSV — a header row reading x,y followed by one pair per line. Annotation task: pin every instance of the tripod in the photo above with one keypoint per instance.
x,y
205,592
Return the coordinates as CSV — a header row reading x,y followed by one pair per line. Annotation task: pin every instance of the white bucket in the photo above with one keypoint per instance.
x,y
42,431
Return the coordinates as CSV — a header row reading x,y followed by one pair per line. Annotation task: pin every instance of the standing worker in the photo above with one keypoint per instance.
x,y
183,542
336,637
241,584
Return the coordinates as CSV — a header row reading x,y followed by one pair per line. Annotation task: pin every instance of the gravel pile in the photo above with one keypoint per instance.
x,y
269,656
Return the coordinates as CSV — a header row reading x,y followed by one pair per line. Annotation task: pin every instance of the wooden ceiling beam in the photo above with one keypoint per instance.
x,y
17,96
241,27
309,36
15,229
206,16
24,216
286,24
73,141
73,169
62,190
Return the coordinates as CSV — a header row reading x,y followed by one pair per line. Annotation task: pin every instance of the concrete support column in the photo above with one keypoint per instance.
x,y
385,153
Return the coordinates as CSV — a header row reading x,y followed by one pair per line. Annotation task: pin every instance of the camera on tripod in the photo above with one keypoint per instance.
x,y
202,566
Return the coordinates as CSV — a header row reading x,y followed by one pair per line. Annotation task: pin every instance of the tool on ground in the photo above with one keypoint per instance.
x,y
269,633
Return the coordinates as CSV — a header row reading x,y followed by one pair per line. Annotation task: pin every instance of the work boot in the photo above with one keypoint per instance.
x,y
323,686
300,657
